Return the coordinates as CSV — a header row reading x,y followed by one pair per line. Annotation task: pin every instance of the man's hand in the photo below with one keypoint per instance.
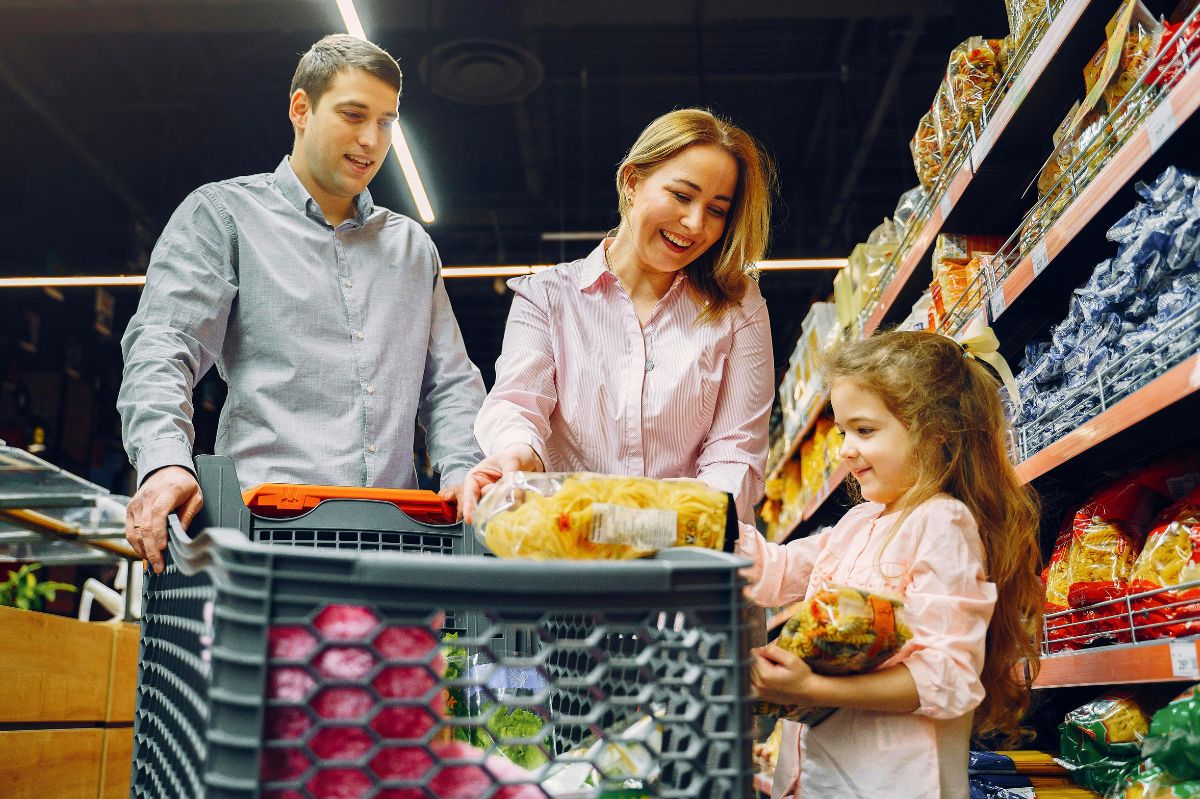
x,y
779,676
453,495
515,458
172,488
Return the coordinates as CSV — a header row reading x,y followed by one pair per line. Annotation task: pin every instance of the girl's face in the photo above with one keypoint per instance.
x,y
679,209
875,445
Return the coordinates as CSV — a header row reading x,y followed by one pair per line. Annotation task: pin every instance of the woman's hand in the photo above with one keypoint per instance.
x,y
779,676
513,458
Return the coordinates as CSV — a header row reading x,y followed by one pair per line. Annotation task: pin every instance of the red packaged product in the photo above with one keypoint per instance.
x,y
1170,558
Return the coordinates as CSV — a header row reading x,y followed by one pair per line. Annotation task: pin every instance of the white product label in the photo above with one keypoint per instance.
x,y
983,146
945,206
1041,258
1161,124
1183,660
996,302
645,528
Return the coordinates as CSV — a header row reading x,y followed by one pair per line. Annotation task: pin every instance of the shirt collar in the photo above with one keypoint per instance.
x,y
291,188
595,266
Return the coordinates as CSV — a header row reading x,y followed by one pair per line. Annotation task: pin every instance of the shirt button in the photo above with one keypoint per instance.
x,y
359,335
649,366
370,448
349,283
370,389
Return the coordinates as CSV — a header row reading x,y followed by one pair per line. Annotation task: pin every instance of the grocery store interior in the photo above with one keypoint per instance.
x,y
1028,167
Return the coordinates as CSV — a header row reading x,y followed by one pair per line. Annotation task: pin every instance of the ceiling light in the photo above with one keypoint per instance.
x,y
399,143
69,282
575,235
803,263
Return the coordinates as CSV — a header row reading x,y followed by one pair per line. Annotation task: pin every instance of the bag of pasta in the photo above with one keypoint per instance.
x,y
927,157
1064,626
1173,741
1023,18
584,516
1170,557
1100,743
972,75
839,630
1149,781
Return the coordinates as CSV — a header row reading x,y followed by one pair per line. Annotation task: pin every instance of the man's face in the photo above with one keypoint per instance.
x,y
341,143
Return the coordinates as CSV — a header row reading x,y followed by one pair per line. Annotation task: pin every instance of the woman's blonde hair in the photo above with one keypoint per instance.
x,y
950,406
718,276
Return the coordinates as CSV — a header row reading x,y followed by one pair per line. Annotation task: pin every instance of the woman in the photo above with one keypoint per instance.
x,y
651,356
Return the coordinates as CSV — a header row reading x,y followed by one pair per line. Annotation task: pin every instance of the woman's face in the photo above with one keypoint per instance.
x,y
679,209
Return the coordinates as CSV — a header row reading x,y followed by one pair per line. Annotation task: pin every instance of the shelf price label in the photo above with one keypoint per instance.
x,y
946,205
1161,124
1183,660
983,146
996,302
1041,258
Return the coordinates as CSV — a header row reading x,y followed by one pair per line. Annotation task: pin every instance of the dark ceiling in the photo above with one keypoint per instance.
x,y
111,111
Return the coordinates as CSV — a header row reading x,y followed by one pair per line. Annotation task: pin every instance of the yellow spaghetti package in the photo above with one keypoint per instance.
x,y
586,516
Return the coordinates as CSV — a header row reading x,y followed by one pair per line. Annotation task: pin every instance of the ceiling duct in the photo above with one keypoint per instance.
x,y
486,61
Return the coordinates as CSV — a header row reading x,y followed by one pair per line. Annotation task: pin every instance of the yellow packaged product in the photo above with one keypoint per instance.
x,y
586,516
972,75
1023,18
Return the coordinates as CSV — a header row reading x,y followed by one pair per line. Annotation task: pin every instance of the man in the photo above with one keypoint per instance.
x,y
324,313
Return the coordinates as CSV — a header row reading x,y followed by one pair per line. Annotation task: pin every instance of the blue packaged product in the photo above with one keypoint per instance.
x,y
1184,246
1033,352
1127,226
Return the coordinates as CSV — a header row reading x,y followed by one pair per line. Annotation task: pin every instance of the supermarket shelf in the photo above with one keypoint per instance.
x,y
814,413
977,183
1182,100
1154,661
762,784
835,479
1180,382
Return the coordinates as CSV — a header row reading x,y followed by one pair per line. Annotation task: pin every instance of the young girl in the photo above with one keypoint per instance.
x,y
948,527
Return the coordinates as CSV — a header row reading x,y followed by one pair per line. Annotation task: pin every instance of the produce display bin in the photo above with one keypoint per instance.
x,y
320,670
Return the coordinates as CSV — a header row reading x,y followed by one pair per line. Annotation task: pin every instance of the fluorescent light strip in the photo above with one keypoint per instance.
x,y
399,143
70,282
504,270
575,235
789,264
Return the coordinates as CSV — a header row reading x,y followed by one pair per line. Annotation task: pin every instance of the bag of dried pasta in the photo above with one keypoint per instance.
x,y
1023,17
583,516
839,630
1100,742
972,75
1173,741
1062,625
1170,557
1149,781
927,157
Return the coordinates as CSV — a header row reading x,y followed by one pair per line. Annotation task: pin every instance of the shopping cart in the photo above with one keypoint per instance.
x,y
320,670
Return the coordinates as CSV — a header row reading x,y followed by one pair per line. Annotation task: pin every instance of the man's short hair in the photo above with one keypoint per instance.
x,y
339,51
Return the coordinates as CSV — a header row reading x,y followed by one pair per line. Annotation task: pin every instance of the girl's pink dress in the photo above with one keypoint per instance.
x,y
935,562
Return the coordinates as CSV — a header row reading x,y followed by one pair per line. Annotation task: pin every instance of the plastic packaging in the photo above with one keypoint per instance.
x,y
971,77
926,152
1100,742
840,630
586,516
1170,557
1173,741
906,210
1023,18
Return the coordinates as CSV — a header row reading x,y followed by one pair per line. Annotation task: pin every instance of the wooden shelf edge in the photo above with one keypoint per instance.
x,y
1179,382
1129,663
1184,99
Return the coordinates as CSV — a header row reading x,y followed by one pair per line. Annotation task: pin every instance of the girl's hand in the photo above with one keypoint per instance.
x,y
779,676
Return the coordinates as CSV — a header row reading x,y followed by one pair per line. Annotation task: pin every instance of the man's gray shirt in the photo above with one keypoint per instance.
x,y
334,341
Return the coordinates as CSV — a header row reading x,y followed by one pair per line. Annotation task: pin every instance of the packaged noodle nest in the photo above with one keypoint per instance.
x,y
585,516
841,630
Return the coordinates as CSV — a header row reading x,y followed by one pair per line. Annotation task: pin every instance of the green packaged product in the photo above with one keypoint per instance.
x,y
1173,742
1151,782
1100,742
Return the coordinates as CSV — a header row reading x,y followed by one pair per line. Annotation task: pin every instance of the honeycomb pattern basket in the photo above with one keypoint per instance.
x,y
297,672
